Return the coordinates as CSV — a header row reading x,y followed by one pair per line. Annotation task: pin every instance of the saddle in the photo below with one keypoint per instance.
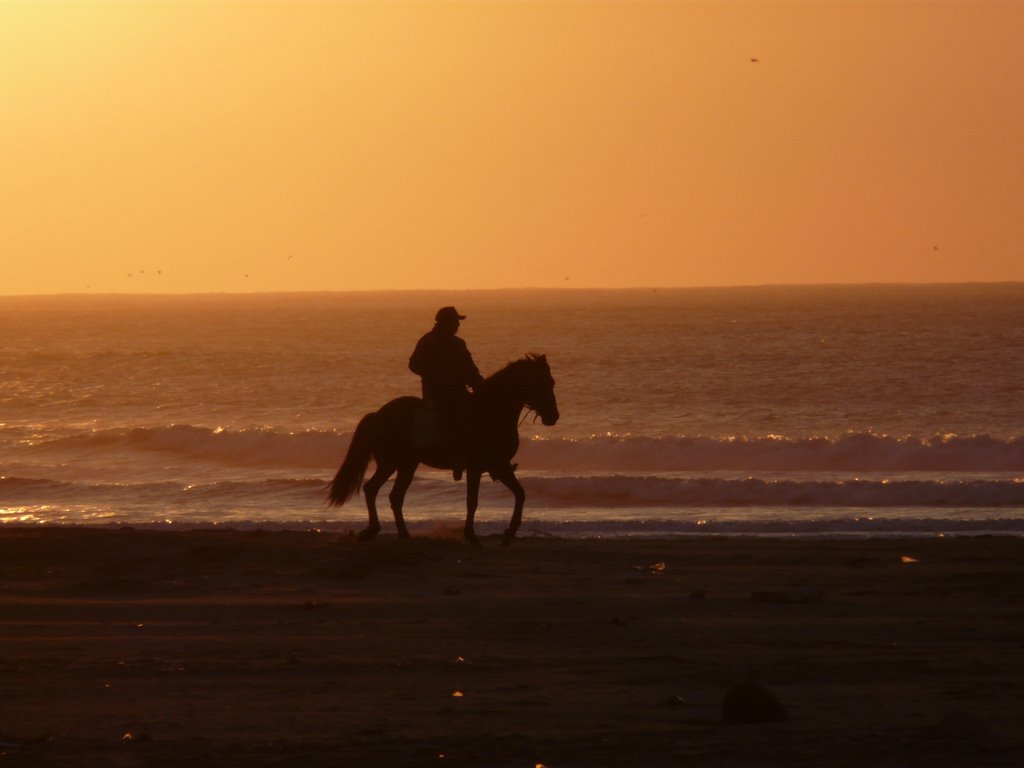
x,y
429,427
431,431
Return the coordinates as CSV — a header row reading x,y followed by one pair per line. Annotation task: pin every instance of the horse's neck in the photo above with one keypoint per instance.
x,y
503,403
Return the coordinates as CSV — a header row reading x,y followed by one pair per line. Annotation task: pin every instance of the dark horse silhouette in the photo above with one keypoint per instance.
x,y
389,437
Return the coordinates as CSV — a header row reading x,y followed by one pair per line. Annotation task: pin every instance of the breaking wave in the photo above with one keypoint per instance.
x,y
619,491
601,492
856,452
255,447
323,449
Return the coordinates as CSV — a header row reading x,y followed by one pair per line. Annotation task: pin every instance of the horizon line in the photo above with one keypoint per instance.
x,y
521,289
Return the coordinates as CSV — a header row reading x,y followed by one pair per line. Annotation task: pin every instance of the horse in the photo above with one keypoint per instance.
x,y
389,437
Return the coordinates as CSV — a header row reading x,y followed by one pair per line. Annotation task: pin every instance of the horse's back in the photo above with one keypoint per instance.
x,y
399,411
400,404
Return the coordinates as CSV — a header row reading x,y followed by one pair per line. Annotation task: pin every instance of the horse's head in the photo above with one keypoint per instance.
x,y
539,389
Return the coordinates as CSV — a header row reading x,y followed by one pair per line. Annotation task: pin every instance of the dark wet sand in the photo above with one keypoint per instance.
x,y
159,648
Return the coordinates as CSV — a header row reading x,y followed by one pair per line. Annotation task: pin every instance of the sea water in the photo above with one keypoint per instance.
x,y
839,410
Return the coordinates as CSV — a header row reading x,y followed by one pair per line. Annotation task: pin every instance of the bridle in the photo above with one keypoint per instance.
x,y
527,410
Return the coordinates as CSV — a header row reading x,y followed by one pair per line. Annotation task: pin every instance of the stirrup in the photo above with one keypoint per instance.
x,y
457,473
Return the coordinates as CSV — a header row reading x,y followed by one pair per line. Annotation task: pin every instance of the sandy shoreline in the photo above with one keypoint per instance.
x,y
291,648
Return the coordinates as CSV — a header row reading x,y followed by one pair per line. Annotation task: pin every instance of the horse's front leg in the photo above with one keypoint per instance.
x,y
472,501
509,479
397,497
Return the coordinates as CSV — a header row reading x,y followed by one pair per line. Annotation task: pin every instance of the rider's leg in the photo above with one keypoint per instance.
x,y
453,413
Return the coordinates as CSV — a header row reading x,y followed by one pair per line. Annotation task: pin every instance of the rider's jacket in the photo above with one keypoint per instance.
x,y
445,365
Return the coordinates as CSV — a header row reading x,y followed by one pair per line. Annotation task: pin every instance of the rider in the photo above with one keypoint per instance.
x,y
446,367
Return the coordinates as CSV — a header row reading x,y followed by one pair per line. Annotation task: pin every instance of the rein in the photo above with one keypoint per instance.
x,y
527,411
525,407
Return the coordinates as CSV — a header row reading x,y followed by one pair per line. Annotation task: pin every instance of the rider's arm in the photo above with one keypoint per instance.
x,y
419,360
473,377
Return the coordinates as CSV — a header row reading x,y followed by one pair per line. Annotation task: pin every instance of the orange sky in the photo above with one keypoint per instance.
x,y
238,146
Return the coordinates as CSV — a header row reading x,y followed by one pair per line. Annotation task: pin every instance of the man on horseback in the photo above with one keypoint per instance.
x,y
446,368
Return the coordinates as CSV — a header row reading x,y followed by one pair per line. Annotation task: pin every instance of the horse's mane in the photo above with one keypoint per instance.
x,y
515,367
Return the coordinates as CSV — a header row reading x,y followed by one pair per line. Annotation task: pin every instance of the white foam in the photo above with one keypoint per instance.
x,y
856,452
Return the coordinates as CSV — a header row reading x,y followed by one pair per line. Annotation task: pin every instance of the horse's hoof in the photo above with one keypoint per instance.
x,y
506,538
367,533
473,541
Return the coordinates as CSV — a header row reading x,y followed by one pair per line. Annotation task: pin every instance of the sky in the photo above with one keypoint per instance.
x,y
158,146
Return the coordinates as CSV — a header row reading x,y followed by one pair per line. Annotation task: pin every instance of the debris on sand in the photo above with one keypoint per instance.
x,y
751,703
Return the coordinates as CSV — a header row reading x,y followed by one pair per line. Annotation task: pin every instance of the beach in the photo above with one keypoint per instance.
x,y
126,647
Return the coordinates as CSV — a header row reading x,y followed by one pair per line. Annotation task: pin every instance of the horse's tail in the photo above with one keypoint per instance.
x,y
350,476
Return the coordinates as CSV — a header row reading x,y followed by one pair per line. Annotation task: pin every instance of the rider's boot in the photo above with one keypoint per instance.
x,y
460,443
458,455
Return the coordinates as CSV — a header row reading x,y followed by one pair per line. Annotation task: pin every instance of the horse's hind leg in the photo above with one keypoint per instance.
x,y
370,489
397,496
509,479
472,501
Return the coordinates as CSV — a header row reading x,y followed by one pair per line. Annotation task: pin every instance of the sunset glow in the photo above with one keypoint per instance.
x,y
229,146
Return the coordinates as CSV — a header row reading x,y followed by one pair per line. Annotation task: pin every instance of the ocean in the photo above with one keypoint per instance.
x,y
814,410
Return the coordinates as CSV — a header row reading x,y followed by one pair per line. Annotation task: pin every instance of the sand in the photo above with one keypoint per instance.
x,y
230,648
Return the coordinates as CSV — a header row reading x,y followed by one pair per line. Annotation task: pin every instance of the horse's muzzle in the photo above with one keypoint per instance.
x,y
549,419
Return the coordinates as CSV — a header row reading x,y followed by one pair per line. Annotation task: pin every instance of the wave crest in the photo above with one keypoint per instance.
x,y
602,492
855,452
254,447
324,449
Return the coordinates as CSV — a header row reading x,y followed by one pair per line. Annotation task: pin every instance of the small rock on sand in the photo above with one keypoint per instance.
x,y
751,703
